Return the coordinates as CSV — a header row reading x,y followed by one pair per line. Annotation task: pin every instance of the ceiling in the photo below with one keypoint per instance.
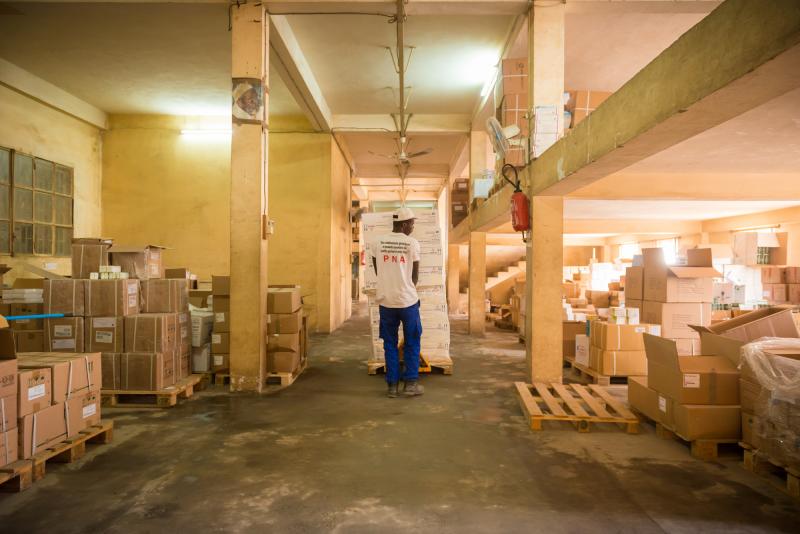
x,y
449,66
685,210
363,145
126,58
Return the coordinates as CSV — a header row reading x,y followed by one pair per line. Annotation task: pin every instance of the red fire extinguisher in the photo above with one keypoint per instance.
x,y
520,211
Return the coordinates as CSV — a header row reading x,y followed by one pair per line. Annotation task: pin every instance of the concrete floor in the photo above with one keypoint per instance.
x,y
332,454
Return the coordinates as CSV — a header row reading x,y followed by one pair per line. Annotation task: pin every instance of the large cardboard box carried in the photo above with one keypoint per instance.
x,y
104,334
40,430
673,283
29,340
676,318
728,337
283,299
72,374
284,323
154,332
222,314
34,390
145,371
112,298
64,334
165,295
64,295
690,379
140,261
88,255
9,452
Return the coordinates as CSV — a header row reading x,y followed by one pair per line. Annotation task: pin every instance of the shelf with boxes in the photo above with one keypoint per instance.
x,y
287,335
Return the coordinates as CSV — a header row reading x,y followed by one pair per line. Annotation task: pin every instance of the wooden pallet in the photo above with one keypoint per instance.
x,y
575,403
16,476
374,367
164,398
72,449
286,379
591,376
784,477
222,378
706,450
214,378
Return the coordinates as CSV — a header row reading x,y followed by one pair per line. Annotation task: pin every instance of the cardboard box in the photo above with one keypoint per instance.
x,y
774,293
42,429
283,343
284,299
220,343
88,255
220,362
184,332
8,412
186,365
165,295
570,290
775,275
29,340
282,362
671,283
728,337
64,296
146,371
793,293
17,309
621,337
222,312
634,284
690,379
8,376
64,334
694,422
644,399
618,363
199,298
221,285
515,76
285,323
582,350
9,451
571,329
104,334
791,275
83,411
675,318
754,397
154,332
111,372
201,358
688,347
141,261
599,299
201,325
112,298
72,374
751,429
34,390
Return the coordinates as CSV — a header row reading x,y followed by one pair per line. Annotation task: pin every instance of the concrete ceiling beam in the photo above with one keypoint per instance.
x,y
419,123
416,170
630,226
722,67
288,59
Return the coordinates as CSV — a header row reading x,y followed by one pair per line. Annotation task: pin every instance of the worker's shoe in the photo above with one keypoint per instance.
x,y
392,391
413,389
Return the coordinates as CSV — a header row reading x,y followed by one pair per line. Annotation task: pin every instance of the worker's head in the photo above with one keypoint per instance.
x,y
403,221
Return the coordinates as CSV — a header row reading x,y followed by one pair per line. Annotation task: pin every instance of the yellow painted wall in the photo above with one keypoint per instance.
x,y
31,127
169,189
341,236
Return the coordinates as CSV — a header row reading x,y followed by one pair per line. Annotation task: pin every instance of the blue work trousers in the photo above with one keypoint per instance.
x,y
412,333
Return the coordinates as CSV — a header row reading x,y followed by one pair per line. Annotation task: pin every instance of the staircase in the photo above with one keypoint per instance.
x,y
505,274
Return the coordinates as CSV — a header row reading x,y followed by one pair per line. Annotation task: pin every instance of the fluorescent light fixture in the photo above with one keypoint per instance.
x,y
207,132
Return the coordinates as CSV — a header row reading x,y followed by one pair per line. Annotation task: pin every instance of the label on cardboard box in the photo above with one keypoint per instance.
x,y
154,269
662,404
62,331
63,343
219,317
132,300
184,332
640,330
105,322
218,360
691,380
36,391
216,339
89,410
104,337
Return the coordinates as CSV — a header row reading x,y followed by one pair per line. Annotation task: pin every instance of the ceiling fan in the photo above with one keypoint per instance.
x,y
403,156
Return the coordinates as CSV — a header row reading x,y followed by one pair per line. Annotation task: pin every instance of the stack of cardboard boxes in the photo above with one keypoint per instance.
x,y
618,349
674,297
45,398
697,397
781,285
459,201
582,102
286,329
25,298
515,104
220,332
202,323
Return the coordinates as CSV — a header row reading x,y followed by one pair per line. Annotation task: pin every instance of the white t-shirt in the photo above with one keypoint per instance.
x,y
395,255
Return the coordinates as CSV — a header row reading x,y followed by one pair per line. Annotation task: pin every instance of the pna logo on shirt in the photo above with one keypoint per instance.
x,y
394,259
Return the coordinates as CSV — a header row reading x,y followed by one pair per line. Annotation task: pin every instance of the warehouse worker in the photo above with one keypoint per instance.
x,y
395,258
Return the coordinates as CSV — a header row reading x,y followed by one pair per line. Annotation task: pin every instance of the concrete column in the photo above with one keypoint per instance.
x,y
453,289
250,56
546,59
477,283
543,339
